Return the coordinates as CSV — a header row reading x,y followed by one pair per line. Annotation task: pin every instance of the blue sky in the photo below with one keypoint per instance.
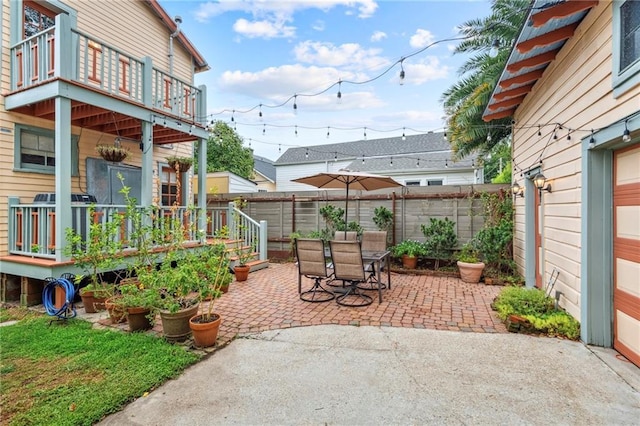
x,y
267,51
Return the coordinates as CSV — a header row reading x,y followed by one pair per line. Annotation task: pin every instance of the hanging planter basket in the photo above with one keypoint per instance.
x,y
182,164
112,153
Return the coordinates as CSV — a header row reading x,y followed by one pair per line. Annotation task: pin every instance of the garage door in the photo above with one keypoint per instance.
x,y
626,253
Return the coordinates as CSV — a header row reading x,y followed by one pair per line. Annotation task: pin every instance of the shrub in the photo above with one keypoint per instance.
x,y
539,309
383,218
441,238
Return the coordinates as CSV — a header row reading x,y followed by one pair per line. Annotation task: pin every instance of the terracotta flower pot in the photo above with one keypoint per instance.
x,y
175,326
138,320
409,262
241,272
205,333
87,302
470,272
116,313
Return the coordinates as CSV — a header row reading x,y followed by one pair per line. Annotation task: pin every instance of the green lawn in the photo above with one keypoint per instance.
x,y
67,373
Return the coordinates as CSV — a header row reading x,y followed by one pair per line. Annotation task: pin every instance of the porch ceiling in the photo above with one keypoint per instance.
x,y
111,122
547,28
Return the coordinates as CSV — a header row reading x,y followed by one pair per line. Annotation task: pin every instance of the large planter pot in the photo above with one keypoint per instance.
x,y
205,333
175,326
470,272
92,302
117,313
241,272
138,319
409,262
87,302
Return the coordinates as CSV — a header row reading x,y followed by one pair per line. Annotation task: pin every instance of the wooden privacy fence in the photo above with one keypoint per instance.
x,y
288,212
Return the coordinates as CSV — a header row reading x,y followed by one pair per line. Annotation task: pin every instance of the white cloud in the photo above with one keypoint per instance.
x,y
319,25
428,69
277,84
421,39
348,55
378,35
263,29
262,8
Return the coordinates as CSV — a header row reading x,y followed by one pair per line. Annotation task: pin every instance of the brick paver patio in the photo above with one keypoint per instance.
x,y
269,300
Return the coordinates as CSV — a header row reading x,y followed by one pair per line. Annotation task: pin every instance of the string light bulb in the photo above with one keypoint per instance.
x,y
264,129
401,72
418,162
335,156
592,140
306,154
327,132
495,45
296,132
539,132
339,92
404,137
365,133
295,104
445,136
233,111
446,164
279,148
362,158
260,112
391,161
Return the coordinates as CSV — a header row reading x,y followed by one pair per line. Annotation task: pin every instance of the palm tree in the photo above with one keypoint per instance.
x,y
465,101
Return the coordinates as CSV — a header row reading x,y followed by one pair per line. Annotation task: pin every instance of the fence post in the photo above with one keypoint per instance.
x,y
263,240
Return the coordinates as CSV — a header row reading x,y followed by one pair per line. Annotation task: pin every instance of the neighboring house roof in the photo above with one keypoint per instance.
x,y
200,62
427,151
265,167
547,28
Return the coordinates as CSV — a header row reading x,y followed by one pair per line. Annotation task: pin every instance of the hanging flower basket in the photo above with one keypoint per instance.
x,y
112,153
182,164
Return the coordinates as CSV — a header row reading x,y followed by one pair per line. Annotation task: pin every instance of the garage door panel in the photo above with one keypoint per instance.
x,y
628,276
626,253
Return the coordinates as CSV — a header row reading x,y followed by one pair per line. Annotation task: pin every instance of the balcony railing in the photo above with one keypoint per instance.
x,y
32,230
103,67
32,227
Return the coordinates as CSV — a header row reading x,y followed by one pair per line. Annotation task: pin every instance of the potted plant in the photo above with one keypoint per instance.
x,y
243,255
214,276
409,251
98,252
469,263
138,303
180,164
440,239
114,153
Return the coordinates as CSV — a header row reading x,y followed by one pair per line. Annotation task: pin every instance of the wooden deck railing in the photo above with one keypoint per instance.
x,y
105,68
32,226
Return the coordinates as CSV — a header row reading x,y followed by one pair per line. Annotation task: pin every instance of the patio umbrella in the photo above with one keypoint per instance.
x,y
348,180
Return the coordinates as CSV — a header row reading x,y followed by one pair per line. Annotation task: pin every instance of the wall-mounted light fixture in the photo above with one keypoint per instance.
x,y
517,190
541,183
626,135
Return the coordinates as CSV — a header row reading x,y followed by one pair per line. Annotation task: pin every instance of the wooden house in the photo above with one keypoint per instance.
x,y
414,160
572,88
78,75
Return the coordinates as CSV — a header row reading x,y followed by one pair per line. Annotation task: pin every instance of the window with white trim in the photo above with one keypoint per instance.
x,y
626,45
434,182
35,150
411,183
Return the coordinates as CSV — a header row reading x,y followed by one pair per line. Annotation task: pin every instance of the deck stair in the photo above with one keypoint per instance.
x,y
254,263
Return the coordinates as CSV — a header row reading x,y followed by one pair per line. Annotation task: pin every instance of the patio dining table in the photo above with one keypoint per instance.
x,y
378,258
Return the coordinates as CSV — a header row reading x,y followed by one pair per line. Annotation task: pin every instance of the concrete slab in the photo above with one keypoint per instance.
x,y
382,375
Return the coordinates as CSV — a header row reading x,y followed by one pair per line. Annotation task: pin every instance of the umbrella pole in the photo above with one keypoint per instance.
x,y
346,212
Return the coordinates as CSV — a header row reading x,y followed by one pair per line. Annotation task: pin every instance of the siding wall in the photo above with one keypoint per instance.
x,y
575,90
130,26
133,27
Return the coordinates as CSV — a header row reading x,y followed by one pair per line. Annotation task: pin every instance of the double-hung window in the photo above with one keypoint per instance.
x,y
626,45
35,150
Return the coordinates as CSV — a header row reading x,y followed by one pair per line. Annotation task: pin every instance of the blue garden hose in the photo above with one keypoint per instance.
x,y
67,310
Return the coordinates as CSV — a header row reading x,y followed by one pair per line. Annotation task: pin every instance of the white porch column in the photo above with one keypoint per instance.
x,y
63,173
146,192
